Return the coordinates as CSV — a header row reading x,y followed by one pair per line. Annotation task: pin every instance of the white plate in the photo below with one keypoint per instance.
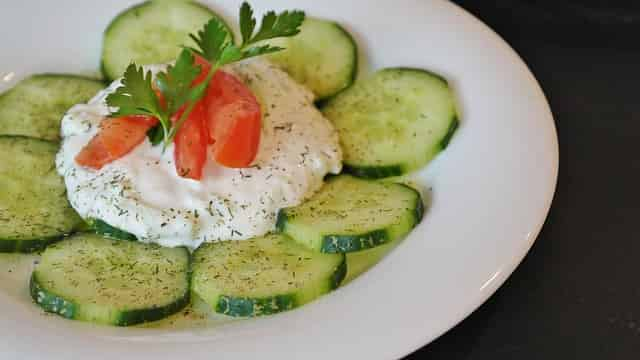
x,y
491,192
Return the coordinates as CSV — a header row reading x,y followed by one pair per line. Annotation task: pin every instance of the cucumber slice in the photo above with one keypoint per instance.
x,y
35,106
359,262
34,210
323,56
263,276
393,122
350,214
150,33
102,228
91,278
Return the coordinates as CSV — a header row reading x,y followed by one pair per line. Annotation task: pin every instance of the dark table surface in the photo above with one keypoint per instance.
x,y
577,293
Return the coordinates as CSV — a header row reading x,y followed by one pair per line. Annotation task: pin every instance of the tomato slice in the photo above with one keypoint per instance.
x,y
190,151
116,138
234,121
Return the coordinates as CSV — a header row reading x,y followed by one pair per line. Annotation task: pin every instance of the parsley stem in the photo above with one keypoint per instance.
x,y
165,130
192,104
183,118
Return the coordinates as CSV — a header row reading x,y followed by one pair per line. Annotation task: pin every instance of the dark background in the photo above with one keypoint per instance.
x,y
577,293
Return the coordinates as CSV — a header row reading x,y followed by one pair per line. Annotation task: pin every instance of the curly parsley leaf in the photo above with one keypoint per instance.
x,y
260,50
247,22
213,43
286,23
175,83
136,95
211,40
230,54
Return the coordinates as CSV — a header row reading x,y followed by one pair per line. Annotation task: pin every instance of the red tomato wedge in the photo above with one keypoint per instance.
x,y
234,121
190,151
116,138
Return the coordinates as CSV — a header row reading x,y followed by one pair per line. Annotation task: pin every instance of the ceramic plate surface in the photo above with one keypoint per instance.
x,y
491,190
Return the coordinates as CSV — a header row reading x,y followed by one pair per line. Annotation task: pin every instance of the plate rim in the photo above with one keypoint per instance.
x,y
499,281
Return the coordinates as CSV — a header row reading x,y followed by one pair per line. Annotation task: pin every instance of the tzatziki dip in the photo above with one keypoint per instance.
x,y
141,193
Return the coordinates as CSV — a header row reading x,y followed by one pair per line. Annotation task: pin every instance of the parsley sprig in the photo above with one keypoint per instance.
x,y
137,95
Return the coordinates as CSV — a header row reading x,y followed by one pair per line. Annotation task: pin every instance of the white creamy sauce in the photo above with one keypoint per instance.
x,y
141,192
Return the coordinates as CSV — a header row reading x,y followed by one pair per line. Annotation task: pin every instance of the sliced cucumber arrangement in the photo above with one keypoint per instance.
x,y
91,278
350,214
394,122
323,56
150,33
263,276
35,106
34,210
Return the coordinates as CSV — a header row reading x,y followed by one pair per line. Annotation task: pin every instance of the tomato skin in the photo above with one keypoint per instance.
x,y
190,151
116,138
234,121
149,121
94,155
237,125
